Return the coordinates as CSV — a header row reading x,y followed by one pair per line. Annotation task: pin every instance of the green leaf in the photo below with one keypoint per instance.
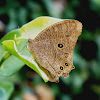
x,y
8,36
1,52
9,64
9,45
30,30
33,28
6,89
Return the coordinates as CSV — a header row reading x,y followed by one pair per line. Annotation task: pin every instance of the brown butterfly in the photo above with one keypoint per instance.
x,y
53,48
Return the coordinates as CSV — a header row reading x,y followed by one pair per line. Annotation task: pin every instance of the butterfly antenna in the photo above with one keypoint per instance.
x,y
24,31
26,42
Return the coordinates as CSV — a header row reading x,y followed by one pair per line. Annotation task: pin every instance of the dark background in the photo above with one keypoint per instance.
x,y
83,82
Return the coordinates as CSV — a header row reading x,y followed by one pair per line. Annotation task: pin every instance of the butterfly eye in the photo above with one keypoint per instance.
x,y
67,35
61,67
60,45
66,64
29,41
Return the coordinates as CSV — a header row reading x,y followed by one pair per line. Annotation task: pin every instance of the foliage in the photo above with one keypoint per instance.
x,y
31,29
6,88
84,81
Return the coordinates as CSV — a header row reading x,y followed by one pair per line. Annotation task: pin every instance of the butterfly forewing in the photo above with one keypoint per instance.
x,y
53,47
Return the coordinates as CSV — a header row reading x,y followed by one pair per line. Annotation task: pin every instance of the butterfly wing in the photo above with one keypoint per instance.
x,y
53,48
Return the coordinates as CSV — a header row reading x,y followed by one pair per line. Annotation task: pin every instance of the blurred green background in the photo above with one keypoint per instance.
x,y
83,82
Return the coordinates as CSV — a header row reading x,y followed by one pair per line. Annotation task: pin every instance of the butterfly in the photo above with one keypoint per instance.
x,y
53,48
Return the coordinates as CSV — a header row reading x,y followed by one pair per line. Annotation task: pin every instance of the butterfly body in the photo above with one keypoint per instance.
x,y
53,48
